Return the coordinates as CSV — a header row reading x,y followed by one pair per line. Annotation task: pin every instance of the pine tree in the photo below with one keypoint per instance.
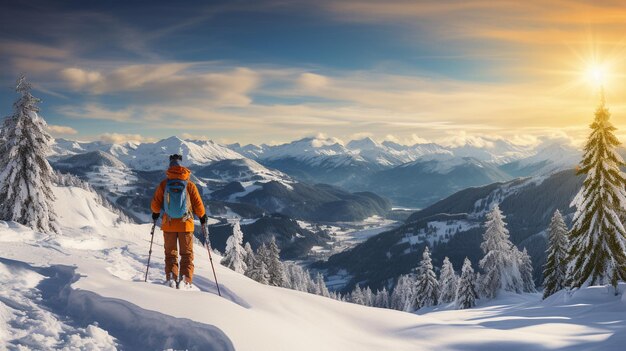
x,y
235,255
402,295
447,282
249,258
555,269
26,177
260,272
598,239
274,265
357,296
368,297
321,288
526,271
500,262
263,275
299,278
427,288
466,290
382,298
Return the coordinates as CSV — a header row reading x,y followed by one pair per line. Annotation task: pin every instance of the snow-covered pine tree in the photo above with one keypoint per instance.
x,y
447,282
260,272
321,288
526,271
466,288
555,269
296,276
235,254
598,239
357,296
382,298
402,295
368,297
249,258
263,275
500,262
274,265
480,290
26,177
427,288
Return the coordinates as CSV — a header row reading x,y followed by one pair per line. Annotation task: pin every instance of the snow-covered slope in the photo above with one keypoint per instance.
x,y
84,289
240,170
547,159
90,159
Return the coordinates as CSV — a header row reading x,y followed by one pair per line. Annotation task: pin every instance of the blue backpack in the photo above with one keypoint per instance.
x,y
176,201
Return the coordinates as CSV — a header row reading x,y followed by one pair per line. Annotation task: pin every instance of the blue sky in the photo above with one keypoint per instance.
x,y
274,71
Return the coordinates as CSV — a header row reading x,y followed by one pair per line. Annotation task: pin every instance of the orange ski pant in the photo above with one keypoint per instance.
x,y
185,241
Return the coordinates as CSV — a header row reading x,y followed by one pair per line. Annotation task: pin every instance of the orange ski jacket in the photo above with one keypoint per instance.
x,y
177,224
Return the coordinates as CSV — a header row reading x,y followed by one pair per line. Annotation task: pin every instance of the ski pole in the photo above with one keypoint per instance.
x,y
150,252
208,248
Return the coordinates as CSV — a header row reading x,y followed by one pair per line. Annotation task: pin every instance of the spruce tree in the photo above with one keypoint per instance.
x,y
555,269
274,265
382,298
368,297
235,253
357,296
321,288
598,239
526,271
26,177
260,272
249,258
500,262
447,282
466,290
402,297
427,288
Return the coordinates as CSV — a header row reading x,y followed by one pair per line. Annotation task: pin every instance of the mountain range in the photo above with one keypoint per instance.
x,y
312,179
413,176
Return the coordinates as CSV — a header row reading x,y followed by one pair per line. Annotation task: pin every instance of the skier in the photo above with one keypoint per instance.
x,y
179,198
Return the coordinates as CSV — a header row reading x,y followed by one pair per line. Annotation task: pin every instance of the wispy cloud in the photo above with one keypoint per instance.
x,y
95,111
167,81
62,130
118,138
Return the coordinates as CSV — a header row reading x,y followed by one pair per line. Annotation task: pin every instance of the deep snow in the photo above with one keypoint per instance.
x,y
84,289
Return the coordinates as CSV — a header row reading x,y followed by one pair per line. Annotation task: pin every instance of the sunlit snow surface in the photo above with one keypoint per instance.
x,y
84,289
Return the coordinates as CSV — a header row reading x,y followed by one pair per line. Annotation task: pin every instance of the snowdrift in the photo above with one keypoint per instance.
x,y
84,289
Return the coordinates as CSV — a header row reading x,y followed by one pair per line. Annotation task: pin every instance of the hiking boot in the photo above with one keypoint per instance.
x,y
172,281
186,283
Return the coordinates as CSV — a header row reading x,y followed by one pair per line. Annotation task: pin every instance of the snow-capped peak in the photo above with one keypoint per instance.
x,y
366,143
151,156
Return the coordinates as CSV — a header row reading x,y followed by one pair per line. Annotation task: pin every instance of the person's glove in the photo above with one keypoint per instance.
x,y
203,219
155,216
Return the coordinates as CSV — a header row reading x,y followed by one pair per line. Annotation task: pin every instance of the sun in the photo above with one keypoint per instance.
x,y
596,75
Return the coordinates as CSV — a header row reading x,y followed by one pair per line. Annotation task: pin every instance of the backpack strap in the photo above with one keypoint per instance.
x,y
189,214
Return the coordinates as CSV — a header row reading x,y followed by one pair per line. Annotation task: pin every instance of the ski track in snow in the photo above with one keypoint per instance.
x,y
84,290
